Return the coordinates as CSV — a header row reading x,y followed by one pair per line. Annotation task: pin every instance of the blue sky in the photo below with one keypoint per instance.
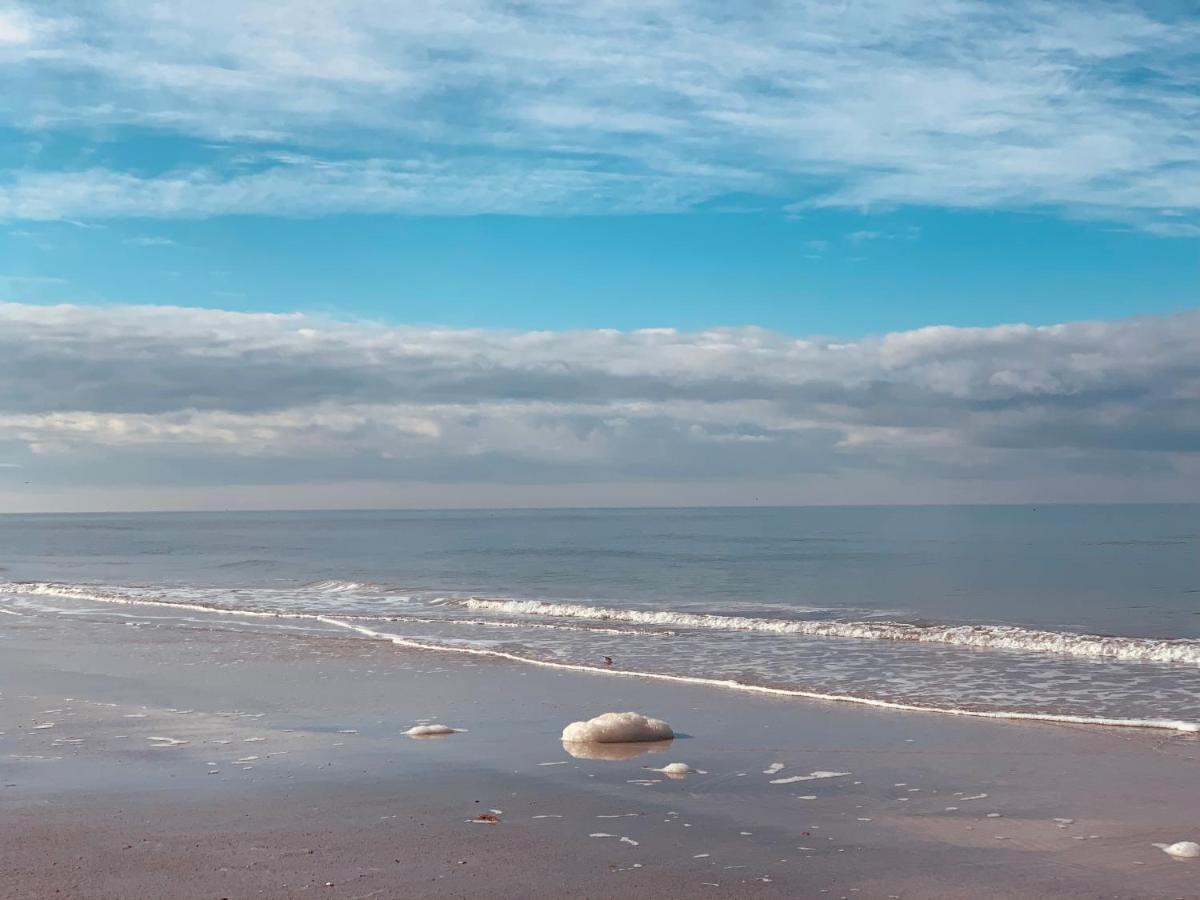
x,y
830,216
828,272
839,168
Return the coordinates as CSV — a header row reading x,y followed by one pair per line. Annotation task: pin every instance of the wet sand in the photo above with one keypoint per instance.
x,y
157,756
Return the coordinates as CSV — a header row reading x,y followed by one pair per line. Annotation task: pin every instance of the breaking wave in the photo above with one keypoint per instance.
x,y
601,620
987,637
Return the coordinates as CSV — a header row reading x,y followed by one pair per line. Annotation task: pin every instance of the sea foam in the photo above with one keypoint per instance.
x,y
981,636
1188,651
989,637
1181,849
617,728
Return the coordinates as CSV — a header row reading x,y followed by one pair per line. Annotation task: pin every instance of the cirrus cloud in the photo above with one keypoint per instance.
x,y
474,106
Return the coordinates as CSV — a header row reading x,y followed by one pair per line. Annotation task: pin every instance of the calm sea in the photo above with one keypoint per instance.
x,y
1089,611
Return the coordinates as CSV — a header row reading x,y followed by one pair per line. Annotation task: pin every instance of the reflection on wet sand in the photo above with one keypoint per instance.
x,y
614,752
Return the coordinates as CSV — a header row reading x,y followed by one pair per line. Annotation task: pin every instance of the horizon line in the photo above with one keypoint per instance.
x,y
668,507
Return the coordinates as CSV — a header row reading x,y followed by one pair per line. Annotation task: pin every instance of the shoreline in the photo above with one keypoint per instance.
x,y
323,717
347,623
850,699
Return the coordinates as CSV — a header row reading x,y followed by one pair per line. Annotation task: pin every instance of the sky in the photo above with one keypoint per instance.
x,y
301,254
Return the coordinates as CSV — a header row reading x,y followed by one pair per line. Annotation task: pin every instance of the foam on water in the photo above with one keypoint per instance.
x,y
279,603
991,637
269,604
982,636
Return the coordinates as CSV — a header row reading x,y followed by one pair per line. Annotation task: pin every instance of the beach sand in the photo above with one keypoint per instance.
x,y
155,756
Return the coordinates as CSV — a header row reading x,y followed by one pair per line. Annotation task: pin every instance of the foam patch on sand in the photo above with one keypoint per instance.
x,y
622,838
676,770
617,728
165,741
811,776
1181,849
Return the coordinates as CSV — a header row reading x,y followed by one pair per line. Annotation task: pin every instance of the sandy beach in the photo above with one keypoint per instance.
x,y
146,756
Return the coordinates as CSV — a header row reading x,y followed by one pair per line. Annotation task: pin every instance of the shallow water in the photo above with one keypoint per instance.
x,y
1072,611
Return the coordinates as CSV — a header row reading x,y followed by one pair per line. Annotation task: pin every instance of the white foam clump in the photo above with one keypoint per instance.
x,y
617,728
1181,849
677,770
996,637
426,730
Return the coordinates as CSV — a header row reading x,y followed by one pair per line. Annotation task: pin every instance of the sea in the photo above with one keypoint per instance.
x,y
1071,613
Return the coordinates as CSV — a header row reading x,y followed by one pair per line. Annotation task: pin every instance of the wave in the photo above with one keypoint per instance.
x,y
139,597
135,597
337,586
987,637
132,597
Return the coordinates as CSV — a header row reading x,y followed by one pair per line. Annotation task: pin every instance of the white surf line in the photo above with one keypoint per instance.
x,y
9,612
980,636
977,636
497,623
66,591
1003,715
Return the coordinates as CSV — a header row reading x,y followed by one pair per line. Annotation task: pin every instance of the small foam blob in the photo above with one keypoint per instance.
x,y
165,741
429,730
1181,849
811,776
676,769
617,728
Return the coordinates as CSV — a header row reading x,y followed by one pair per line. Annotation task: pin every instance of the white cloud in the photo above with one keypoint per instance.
x,y
310,187
15,28
150,241
150,395
30,280
552,107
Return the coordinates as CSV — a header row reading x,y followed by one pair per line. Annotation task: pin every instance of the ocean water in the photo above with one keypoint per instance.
x,y
1065,612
